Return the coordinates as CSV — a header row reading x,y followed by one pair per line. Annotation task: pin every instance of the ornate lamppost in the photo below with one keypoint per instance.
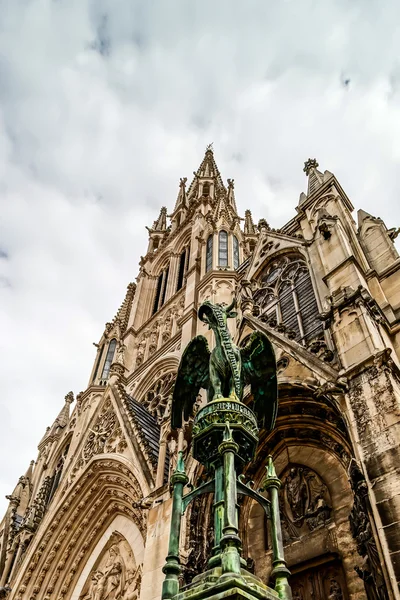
x,y
225,438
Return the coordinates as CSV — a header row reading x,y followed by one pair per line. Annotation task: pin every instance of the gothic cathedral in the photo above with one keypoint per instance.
x,y
90,518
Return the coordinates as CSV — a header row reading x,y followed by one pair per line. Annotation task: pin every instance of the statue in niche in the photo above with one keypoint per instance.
x,y
115,576
297,493
360,526
335,591
121,354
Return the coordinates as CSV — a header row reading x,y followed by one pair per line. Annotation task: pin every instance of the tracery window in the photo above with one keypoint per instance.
x,y
156,398
109,358
223,249
286,295
209,253
236,258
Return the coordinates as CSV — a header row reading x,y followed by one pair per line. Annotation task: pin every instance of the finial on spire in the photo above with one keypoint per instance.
x,y
311,163
69,398
182,182
249,227
209,147
161,223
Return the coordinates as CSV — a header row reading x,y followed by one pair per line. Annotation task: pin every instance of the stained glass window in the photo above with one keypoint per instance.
x,y
286,295
223,249
109,358
209,253
236,258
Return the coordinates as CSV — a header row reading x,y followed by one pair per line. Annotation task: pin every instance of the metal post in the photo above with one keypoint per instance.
x,y
218,514
172,567
230,541
280,570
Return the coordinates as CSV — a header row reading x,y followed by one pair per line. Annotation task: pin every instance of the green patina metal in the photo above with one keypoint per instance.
x,y
225,438
224,371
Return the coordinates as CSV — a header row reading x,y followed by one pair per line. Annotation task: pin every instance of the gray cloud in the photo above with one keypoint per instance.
x,y
104,105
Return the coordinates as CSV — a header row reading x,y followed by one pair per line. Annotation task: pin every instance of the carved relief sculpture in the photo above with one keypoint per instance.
x,y
115,575
360,525
305,502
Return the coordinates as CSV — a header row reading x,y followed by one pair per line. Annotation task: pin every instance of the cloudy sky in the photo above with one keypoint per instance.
x,y
104,104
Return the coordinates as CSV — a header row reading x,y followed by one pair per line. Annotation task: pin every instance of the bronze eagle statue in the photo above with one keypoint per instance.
x,y
226,370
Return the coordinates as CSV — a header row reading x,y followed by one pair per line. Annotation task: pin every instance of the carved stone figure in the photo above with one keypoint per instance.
x,y
132,587
224,371
335,591
113,578
297,493
304,502
112,582
371,572
121,354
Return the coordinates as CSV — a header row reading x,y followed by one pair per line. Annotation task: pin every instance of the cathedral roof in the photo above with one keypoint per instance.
x,y
147,423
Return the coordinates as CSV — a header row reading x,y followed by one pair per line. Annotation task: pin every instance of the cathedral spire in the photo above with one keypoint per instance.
x,y
122,316
181,201
63,417
161,223
207,181
315,177
249,227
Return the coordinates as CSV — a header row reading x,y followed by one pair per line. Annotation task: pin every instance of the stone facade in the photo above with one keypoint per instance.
x,y
90,518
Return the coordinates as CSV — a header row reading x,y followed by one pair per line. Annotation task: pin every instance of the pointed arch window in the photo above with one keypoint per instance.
x,y
164,287
99,357
236,256
161,290
223,249
286,296
206,189
209,253
183,263
109,358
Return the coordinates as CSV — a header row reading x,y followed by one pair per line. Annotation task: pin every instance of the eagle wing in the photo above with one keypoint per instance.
x,y
193,374
259,370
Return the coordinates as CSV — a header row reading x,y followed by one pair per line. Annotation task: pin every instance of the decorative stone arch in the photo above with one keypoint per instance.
x,y
129,532
182,240
70,532
310,434
264,249
167,364
286,294
161,261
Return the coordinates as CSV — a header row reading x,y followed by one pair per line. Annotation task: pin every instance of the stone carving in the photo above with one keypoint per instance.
x,y
335,591
156,398
360,525
35,512
100,433
120,359
115,576
304,501
140,352
105,436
